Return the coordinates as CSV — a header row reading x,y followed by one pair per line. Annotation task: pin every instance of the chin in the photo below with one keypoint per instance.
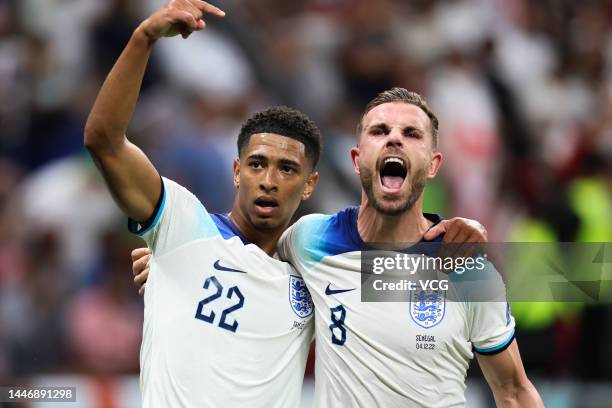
x,y
266,224
387,207
392,204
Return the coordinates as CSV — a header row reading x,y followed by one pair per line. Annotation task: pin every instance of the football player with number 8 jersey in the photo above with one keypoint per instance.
x,y
387,354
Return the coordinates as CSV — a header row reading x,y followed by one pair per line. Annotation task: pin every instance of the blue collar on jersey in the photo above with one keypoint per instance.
x,y
227,228
346,226
351,215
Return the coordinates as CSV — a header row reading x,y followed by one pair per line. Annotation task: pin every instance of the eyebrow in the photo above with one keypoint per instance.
x,y
382,126
257,157
286,162
385,128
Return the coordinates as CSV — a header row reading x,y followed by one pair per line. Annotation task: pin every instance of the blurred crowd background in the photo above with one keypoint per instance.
x,y
523,91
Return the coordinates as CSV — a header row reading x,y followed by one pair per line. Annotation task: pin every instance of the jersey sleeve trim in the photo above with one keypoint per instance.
x,y
142,228
497,349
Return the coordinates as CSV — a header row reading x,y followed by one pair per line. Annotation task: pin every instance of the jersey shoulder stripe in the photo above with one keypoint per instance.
x,y
227,228
319,236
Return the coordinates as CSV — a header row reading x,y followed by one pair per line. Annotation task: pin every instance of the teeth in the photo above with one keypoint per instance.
x,y
394,160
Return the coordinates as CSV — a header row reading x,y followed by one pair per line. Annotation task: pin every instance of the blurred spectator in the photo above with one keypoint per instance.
x,y
68,197
110,31
523,91
105,320
32,309
469,132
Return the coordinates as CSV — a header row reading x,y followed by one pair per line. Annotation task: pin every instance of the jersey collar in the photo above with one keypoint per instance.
x,y
421,247
227,228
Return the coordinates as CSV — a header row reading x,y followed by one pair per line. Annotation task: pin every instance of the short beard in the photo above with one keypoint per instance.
x,y
416,188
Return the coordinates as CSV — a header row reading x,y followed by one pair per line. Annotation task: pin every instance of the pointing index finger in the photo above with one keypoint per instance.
x,y
208,8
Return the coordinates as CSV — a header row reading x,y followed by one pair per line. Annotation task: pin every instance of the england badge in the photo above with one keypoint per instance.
x,y
427,307
299,297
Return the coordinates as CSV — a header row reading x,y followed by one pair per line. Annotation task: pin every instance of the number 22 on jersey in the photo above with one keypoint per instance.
x,y
209,316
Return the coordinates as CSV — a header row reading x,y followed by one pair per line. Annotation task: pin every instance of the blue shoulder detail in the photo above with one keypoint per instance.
x,y
227,228
328,235
207,227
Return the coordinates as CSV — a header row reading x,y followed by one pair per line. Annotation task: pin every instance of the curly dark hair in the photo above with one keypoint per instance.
x,y
284,121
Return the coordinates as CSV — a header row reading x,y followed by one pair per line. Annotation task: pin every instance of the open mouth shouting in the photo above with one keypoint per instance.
x,y
265,205
393,172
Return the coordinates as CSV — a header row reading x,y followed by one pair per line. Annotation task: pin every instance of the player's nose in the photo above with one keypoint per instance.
x,y
269,181
394,138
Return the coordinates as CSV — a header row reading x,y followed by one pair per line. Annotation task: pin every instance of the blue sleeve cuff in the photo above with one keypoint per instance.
x,y
142,228
497,349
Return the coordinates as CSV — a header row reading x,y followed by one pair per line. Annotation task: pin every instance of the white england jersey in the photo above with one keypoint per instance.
x,y
225,325
384,354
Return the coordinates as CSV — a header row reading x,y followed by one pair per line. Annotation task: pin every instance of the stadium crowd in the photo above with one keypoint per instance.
x,y
523,91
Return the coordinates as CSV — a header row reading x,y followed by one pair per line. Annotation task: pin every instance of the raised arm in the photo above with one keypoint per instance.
x,y
506,377
131,177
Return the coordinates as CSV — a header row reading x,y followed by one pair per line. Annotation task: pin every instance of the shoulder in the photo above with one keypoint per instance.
x,y
312,223
342,220
176,190
318,226
479,284
319,235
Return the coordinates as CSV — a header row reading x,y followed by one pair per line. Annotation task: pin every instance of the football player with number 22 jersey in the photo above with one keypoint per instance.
x,y
226,324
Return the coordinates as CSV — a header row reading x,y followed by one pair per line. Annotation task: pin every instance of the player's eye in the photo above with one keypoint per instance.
x,y
287,169
256,165
413,133
377,131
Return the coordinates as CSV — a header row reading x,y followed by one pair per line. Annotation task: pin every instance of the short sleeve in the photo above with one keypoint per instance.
x,y
297,245
179,218
287,244
492,326
312,238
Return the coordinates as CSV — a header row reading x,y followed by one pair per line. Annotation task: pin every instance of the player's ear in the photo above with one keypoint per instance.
x,y
355,158
310,185
237,173
434,164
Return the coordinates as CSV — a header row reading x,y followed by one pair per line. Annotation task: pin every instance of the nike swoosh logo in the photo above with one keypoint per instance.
x,y
219,267
329,291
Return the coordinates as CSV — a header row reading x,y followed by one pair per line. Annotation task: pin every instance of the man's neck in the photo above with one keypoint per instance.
x,y
407,227
266,240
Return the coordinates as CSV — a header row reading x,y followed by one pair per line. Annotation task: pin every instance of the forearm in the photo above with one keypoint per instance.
x,y
114,107
131,177
506,377
132,180
522,395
